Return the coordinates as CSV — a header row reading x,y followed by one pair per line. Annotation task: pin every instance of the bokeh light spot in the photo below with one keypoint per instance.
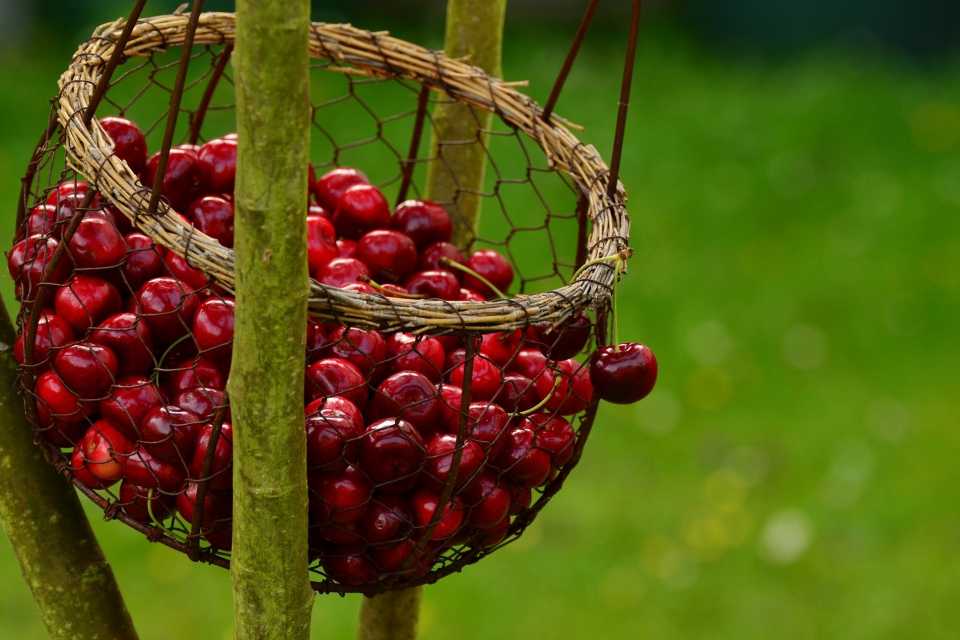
x,y
786,536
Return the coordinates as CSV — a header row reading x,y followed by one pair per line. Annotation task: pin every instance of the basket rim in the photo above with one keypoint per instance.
x,y
373,54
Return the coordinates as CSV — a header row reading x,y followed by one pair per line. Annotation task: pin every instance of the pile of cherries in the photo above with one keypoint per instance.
x,y
133,348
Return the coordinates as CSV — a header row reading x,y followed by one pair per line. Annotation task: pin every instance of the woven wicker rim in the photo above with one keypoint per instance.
x,y
374,54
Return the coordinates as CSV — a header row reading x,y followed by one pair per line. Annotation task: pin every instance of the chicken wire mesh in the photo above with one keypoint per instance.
x,y
430,444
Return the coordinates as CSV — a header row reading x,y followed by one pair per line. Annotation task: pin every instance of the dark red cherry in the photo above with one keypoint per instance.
x,y
87,369
571,394
518,393
556,436
424,221
28,261
425,503
501,347
390,290
321,242
216,514
336,377
520,499
350,565
317,210
522,462
387,522
331,440
438,465
221,469
128,142
213,216
492,266
183,271
411,396
434,284
391,455
623,374
365,349
202,401
86,301
486,427
181,182
341,271
128,336
390,255
67,197
217,161
53,332
424,355
140,502
485,380
142,262
565,341
143,470
448,408
529,363
168,307
42,221
340,497
334,183
469,295
213,328
347,248
104,451
393,559
130,400
168,433
195,372
495,534
360,209
338,404
339,533
489,503
360,287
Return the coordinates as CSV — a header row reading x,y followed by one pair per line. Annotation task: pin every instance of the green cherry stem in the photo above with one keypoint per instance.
x,y
390,294
156,375
447,262
539,405
156,522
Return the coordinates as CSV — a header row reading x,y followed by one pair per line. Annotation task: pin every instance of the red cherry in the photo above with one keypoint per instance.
x,y
181,182
213,328
53,332
425,503
216,514
168,308
623,374
486,427
423,355
336,377
390,255
492,266
448,410
360,209
183,271
203,401
393,288
340,533
565,341
348,564
347,248
128,142
143,261
221,470
518,393
42,221
387,522
424,221
130,399
321,242
140,502
81,473
489,503
143,470
434,284
501,347
213,216
495,534
485,381
529,363
29,259
360,287
196,372
393,559
104,450
217,161
341,271
87,369
571,394
469,295
168,433
411,396
334,183
439,463
317,210
86,301
340,497
339,404
523,463
431,258
556,436
128,336
67,197
364,349
331,440
391,455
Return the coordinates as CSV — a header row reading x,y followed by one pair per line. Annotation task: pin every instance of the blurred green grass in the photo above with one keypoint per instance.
x,y
797,272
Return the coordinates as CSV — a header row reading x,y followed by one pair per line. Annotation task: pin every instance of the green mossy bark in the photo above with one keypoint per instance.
x,y
271,585
60,559
475,30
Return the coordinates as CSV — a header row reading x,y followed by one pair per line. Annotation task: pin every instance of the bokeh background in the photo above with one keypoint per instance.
x,y
794,175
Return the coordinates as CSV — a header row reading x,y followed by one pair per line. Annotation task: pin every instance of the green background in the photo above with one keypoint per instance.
x,y
797,272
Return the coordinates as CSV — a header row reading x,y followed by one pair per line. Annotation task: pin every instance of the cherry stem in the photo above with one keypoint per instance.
x,y
156,522
390,294
539,405
447,262
614,308
165,354
620,258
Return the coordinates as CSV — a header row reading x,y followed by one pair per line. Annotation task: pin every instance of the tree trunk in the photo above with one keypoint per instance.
x,y
474,29
60,559
271,585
